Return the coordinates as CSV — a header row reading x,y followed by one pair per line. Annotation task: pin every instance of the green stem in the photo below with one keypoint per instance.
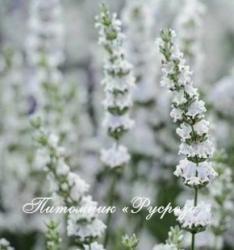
x,y
195,204
193,233
110,199
195,197
193,242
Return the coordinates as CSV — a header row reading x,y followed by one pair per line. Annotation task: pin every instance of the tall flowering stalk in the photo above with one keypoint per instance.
x,y
189,27
139,23
45,53
118,83
53,239
71,189
196,147
139,19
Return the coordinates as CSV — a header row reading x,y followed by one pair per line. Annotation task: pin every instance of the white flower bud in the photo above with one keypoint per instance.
x,y
201,127
184,131
196,108
62,168
53,140
116,156
176,114
194,218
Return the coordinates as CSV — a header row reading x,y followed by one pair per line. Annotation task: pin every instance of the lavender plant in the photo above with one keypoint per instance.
x,y
118,83
68,151
51,127
140,23
196,146
220,195
53,239
130,242
85,227
140,20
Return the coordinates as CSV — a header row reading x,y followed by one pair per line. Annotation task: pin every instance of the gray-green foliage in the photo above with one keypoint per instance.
x,y
130,242
53,239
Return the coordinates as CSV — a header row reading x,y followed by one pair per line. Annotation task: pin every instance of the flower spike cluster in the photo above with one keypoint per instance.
x,y
194,218
196,146
53,238
188,112
118,83
70,188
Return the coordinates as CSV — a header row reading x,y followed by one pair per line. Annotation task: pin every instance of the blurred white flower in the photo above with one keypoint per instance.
x,y
118,84
94,246
201,127
84,231
116,156
223,91
195,175
62,168
179,97
188,24
78,186
164,247
194,218
184,131
138,20
5,245
176,114
197,108
114,122
203,149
